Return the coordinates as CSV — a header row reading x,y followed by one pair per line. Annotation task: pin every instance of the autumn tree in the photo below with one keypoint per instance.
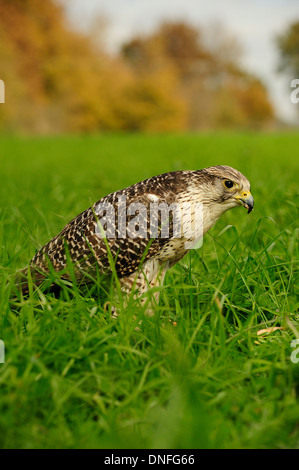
x,y
60,80
288,46
216,90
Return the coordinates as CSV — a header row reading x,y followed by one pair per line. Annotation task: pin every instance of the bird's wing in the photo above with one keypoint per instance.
x,y
81,239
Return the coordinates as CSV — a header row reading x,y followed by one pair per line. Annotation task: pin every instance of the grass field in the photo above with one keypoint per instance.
x,y
196,375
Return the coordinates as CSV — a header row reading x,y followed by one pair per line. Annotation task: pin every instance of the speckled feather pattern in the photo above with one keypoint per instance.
x,y
79,240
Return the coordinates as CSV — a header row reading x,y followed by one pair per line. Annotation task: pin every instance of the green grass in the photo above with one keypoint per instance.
x,y
196,375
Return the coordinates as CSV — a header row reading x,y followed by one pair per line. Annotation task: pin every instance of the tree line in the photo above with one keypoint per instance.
x,y
177,78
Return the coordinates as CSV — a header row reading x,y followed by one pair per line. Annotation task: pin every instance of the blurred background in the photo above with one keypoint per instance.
x,y
102,94
153,66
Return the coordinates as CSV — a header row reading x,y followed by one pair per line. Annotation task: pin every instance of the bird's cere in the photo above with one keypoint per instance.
x,y
246,200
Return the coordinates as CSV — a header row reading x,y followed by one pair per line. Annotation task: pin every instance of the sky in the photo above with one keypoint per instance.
x,y
254,24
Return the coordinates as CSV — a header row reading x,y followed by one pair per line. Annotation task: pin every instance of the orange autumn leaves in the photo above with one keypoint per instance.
x,y
58,80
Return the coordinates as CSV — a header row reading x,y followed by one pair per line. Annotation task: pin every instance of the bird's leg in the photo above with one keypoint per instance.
x,y
151,275
139,283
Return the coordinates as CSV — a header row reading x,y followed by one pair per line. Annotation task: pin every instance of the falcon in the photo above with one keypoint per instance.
x,y
139,232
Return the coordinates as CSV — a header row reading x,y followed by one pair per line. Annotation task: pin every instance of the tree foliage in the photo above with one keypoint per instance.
x,y
288,46
217,92
59,80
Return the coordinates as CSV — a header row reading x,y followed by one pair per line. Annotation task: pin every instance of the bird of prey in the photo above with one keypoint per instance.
x,y
141,231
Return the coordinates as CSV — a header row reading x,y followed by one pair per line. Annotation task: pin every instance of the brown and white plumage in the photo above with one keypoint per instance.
x,y
80,240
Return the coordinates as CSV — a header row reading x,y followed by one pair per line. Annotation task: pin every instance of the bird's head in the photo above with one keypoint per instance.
x,y
229,187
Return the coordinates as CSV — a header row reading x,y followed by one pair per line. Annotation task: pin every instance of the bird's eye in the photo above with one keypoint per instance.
x,y
228,184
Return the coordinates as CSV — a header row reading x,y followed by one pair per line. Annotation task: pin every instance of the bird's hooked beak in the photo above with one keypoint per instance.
x,y
245,199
